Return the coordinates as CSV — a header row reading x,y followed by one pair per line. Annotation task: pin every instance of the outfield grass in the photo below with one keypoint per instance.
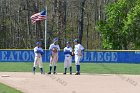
x,y
6,89
92,68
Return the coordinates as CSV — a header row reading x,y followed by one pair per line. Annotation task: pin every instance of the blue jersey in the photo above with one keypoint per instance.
x,y
68,51
38,51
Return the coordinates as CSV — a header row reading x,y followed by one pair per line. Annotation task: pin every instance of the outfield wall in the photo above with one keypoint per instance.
x,y
106,56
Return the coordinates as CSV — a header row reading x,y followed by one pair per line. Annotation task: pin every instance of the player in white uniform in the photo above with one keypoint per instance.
x,y
53,55
38,51
78,51
68,58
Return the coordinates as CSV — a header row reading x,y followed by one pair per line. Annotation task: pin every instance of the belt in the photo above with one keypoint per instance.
x,y
37,56
67,56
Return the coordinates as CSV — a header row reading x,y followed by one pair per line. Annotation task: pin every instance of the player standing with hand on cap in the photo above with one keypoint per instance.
x,y
54,48
78,51
68,58
38,51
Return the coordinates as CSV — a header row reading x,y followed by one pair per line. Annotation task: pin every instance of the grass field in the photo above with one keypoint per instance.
x,y
91,68
6,89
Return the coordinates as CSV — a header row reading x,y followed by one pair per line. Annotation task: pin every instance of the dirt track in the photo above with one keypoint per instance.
x,y
29,83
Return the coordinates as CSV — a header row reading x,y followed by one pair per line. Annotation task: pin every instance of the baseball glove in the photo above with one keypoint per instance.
x,y
54,50
72,54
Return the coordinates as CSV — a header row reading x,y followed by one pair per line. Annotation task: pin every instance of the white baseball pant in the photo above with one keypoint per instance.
x,y
38,61
68,61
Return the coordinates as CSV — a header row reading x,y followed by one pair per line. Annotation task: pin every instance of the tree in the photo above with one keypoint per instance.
x,y
120,29
81,20
66,19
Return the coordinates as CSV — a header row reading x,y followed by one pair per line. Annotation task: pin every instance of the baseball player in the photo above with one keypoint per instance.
x,y
68,58
78,51
38,51
54,48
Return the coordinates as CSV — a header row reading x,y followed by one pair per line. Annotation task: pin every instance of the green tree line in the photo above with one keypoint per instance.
x,y
121,28
98,24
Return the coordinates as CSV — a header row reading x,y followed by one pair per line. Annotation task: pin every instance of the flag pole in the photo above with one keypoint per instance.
x,y
46,34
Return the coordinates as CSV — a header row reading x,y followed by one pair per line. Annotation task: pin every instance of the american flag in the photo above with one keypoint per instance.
x,y
38,16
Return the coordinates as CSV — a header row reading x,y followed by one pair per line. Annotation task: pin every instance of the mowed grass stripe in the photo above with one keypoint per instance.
x,y
7,89
92,68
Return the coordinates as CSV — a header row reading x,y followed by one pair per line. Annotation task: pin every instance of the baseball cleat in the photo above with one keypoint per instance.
x,y
77,73
49,72
54,72
70,73
42,73
34,72
64,73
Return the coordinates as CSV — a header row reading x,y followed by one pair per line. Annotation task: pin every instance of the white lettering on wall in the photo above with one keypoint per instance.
x,y
86,58
25,56
17,56
3,54
18,53
100,56
11,56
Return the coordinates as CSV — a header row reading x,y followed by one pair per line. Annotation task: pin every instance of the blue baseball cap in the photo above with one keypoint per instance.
x,y
55,39
68,42
76,40
37,43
